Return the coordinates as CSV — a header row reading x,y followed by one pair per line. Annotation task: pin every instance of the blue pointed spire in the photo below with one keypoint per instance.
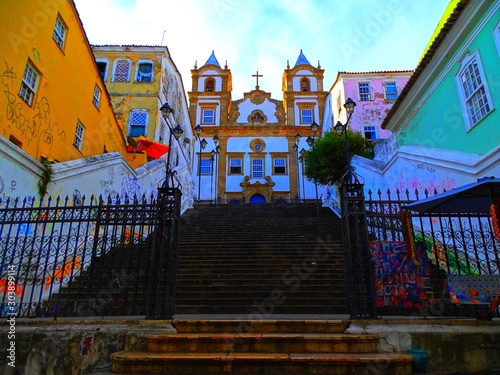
x,y
302,59
212,60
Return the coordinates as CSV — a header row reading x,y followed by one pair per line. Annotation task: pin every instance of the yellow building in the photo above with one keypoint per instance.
x,y
54,104
133,77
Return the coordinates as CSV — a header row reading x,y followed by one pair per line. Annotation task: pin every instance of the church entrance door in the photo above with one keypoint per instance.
x,y
257,199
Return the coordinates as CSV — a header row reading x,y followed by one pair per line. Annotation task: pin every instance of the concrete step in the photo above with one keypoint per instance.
x,y
259,363
262,342
260,325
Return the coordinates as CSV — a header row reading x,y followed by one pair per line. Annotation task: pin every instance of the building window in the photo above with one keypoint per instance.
x,y
364,91
97,96
496,35
279,166
79,133
390,90
306,116
122,71
206,166
339,104
235,166
15,141
370,132
29,84
60,32
208,116
209,85
258,168
474,94
144,71
138,122
102,67
305,84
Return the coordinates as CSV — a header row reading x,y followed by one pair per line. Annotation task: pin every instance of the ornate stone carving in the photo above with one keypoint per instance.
x,y
257,97
257,118
234,114
280,113
250,189
257,145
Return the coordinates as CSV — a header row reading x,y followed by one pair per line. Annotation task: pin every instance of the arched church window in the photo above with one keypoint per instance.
x,y
304,84
209,84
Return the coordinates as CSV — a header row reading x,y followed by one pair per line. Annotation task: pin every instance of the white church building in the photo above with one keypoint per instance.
x,y
248,150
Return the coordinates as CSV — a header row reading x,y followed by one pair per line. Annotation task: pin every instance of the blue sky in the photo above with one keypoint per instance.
x,y
354,35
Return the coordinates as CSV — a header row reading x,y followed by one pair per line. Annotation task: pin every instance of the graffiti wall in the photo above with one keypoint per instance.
x,y
106,175
420,168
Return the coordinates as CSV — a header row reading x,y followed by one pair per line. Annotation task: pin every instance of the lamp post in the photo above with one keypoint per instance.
x,y
212,158
342,129
217,152
176,132
296,149
302,159
310,141
203,144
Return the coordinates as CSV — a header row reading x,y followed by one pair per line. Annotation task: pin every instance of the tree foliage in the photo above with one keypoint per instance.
x,y
330,160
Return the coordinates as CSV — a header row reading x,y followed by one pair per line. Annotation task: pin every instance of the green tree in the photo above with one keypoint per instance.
x,y
330,156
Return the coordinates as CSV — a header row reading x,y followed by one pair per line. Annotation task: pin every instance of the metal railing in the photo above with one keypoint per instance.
x,y
84,258
458,248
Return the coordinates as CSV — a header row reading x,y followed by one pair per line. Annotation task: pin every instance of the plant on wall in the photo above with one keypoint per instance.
x,y
45,178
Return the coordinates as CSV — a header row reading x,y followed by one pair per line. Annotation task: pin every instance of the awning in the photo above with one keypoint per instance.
x,y
154,150
475,198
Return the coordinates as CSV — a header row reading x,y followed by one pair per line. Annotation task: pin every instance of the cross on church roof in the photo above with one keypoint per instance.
x,y
257,75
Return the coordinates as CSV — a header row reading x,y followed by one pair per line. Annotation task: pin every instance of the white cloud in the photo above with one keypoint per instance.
x,y
262,35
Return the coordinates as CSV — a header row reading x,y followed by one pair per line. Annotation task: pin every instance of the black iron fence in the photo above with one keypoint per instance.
x,y
451,268
84,258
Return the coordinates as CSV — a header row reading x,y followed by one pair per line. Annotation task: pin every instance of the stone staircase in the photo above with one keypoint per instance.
x,y
254,285
260,347
260,259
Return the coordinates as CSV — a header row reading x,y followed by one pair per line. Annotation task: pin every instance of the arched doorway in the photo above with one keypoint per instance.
x,y
257,199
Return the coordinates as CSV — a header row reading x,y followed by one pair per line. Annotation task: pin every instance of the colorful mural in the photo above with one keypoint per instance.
x,y
399,281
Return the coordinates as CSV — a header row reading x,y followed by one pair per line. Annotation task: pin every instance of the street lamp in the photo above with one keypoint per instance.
x,y
303,156
310,141
342,129
212,158
203,144
296,149
217,152
302,160
176,132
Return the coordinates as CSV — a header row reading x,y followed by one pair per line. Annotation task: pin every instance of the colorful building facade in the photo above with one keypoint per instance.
x,y
445,121
140,80
374,94
54,104
258,160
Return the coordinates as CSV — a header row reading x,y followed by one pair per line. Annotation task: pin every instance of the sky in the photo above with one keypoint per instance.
x,y
262,35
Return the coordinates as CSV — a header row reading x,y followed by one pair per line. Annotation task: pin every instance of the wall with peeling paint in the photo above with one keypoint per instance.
x,y
134,93
367,112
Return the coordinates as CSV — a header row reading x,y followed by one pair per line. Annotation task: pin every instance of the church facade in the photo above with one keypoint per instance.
x,y
248,149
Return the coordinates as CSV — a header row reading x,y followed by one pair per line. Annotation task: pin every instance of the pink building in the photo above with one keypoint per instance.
x,y
374,94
